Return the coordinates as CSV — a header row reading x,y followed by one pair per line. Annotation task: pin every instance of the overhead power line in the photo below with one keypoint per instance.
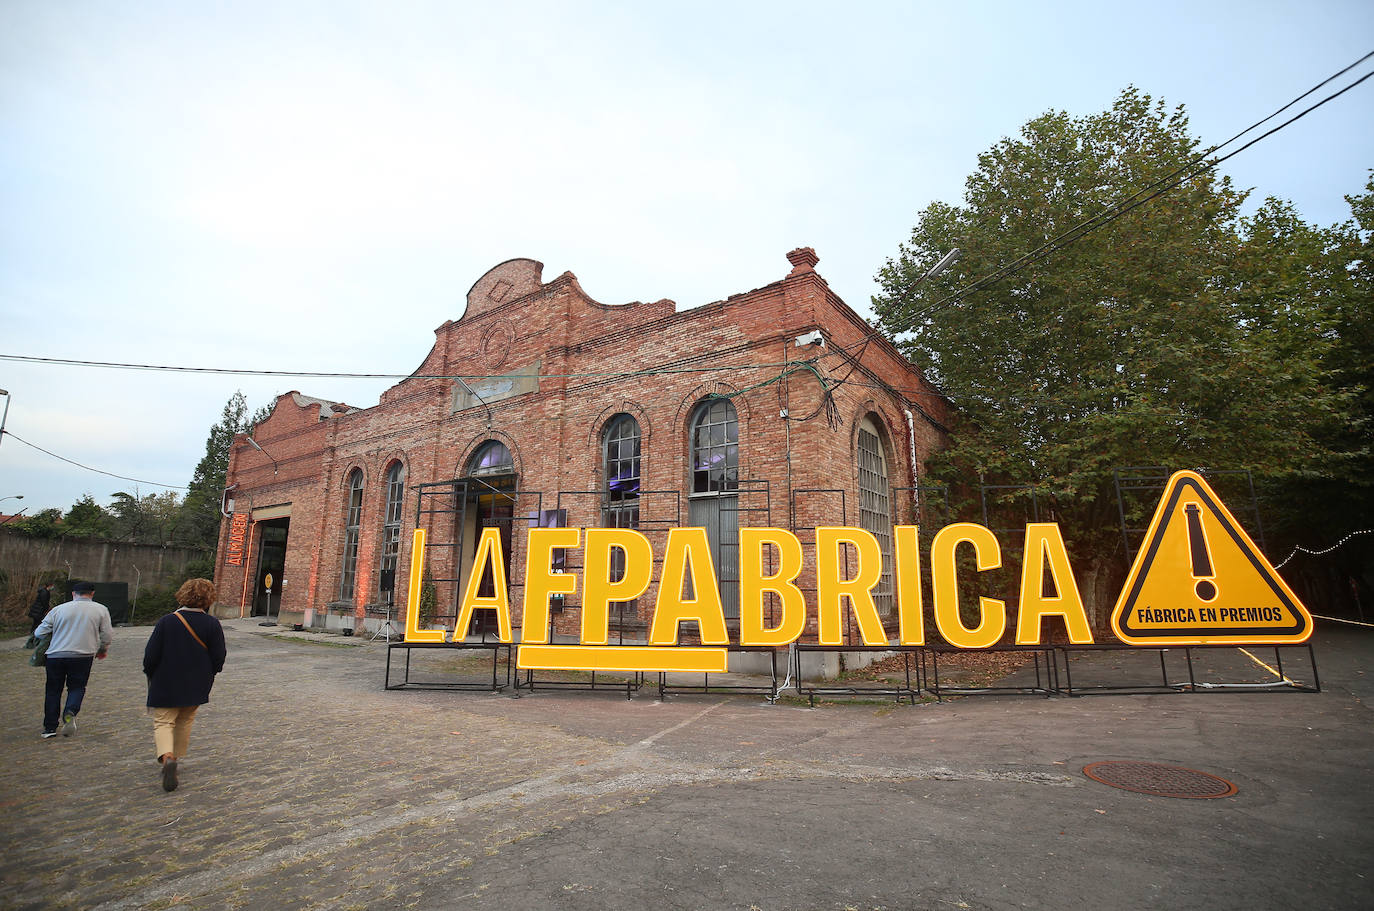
x,y
605,374
1191,169
111,474
239,371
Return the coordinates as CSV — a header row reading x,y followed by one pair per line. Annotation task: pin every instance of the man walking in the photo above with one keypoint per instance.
x,y
81,632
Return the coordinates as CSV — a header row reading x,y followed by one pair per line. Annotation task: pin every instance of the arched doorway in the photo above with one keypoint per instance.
x,y
490,482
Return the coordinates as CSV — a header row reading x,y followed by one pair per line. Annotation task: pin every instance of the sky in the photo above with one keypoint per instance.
x,y
290,186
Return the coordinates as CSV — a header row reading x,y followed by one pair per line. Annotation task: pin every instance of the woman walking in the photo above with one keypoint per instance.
x,y
184,653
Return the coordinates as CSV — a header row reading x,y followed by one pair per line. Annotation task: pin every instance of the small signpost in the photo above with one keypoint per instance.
x,y
267,590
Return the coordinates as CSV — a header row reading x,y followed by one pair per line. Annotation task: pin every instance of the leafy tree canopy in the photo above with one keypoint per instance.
x,y
87,519
46,523
199,521
145,518
1181,333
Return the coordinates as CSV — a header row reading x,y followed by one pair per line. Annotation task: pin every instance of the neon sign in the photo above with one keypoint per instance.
x,y
238,530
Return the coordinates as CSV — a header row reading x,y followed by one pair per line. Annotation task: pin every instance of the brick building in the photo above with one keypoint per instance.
x,y
776,407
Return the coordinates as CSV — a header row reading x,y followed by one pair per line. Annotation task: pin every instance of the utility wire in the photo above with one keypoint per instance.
x,y
808,364
237,371
1170,181
10,433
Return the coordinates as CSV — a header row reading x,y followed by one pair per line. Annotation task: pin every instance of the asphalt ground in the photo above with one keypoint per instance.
x,y
310,786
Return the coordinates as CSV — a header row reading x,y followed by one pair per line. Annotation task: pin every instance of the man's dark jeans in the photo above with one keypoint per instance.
x,y
71,673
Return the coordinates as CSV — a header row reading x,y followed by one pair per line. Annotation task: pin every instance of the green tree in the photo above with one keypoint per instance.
x,y
199,520
46,523
1165,337
87,519
1323,505
144,518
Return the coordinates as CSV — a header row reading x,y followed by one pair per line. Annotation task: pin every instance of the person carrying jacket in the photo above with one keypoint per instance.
x,y
40,606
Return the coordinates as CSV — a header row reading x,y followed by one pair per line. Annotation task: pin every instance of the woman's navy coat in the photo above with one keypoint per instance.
x,y
181,672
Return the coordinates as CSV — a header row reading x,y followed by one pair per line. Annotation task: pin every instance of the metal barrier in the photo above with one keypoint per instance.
x,y
1281,683
1046,684
630,684
667,688
494,647
897,692
1143,670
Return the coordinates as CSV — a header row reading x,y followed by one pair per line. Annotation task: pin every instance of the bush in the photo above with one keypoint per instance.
x,y
16,594
154,602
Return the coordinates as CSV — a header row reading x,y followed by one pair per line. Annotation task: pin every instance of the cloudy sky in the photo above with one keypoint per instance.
x,y
314,186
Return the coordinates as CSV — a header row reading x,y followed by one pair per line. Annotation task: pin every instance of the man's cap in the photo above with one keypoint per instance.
x,y
82,587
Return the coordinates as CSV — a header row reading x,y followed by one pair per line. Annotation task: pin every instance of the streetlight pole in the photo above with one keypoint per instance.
x,y
254,443
945,262
13,496
6,414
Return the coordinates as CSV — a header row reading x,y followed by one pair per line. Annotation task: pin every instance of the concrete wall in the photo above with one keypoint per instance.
x,y
24,560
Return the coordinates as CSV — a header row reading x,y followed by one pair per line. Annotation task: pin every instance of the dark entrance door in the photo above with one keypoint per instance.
x,y
493,508
271,566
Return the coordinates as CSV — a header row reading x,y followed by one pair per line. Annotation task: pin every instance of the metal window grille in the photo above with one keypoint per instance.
x,y
352,524
391,526
875,510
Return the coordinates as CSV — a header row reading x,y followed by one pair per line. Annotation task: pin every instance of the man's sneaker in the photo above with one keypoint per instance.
x,y
169,775
68,724
48,735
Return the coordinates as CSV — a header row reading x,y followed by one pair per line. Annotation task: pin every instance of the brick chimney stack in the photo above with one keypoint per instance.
x,y
803,259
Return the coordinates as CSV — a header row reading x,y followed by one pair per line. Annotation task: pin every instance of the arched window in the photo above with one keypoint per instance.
x,y
391,528
353,520
491,458
620,459
714,503
715,447
875,508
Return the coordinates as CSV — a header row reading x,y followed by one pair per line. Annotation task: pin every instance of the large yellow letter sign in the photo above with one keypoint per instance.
x,y
598,591
1045,550
753,584
688,546
944,580
832,588
490,556
417,563
541,582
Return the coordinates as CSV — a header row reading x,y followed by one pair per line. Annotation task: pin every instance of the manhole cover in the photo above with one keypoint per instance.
x,y
1160,780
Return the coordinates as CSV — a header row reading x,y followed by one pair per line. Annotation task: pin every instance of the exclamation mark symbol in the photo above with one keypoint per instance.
x,y
1197,547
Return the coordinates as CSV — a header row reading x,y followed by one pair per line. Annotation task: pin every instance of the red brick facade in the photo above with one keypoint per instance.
x,y
545,370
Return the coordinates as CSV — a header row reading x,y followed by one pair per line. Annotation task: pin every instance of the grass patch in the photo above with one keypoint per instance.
x,y
321,642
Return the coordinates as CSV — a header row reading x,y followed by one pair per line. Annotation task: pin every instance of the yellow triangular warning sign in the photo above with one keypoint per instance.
x,y
1198,579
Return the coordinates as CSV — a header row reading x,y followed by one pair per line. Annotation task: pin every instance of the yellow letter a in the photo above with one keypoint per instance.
x,y
490,556
670,609
1043,540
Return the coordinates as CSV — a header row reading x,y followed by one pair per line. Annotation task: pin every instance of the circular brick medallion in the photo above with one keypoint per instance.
x,y
1159,780
496,344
